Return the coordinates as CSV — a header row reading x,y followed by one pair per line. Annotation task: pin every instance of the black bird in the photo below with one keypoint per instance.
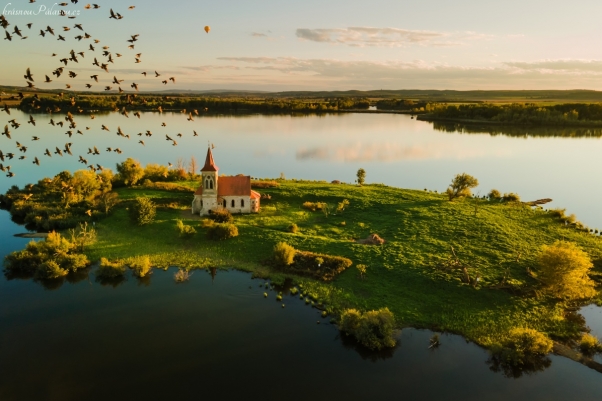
x,y
47,153
94,77
58,152
61,38
31,120
50,30
6,109
28,76
36,161
8,37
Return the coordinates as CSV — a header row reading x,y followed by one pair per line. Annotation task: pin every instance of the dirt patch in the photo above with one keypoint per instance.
x,y
373,239
187,214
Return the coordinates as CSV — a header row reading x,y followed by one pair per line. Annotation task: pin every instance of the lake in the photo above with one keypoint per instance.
x,y
218,337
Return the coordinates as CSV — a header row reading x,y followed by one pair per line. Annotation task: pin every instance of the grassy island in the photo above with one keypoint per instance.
x,y
467,266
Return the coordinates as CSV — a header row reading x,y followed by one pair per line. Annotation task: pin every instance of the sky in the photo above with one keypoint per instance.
x,y
280,45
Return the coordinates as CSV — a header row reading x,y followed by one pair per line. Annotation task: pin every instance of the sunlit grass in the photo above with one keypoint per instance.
x,y
499,240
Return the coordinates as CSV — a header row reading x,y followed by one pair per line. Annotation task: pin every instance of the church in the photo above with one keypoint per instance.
x,y
231,193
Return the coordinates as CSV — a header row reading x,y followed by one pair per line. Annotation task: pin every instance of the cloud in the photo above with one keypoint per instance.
x,y
418,74
258,35
386,37
385,152
559,66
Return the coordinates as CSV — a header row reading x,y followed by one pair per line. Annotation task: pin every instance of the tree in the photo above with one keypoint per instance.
x,y
460,186
563,269
130,171
193,167
84,183
143,211
361,176
107,200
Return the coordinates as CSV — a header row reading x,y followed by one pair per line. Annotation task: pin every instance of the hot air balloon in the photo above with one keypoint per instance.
x,y
207,28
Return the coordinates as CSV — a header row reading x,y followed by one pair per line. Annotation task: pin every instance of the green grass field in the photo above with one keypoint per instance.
x,y
405,274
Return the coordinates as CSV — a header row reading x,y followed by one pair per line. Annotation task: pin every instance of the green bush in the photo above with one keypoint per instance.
x,y
494,194
222,231
511,197
184,230
563,271
51,258
521,345
221,215
50,270
373,329
140,265
461,185
143,211
284,254
307,263
110,270
293,228
589,344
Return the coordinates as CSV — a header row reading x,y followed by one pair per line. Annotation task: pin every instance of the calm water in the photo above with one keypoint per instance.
x,y
155,339
392,148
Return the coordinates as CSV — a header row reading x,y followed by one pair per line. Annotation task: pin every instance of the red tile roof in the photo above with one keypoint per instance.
x,y
234,186
209,163
199,191
255,195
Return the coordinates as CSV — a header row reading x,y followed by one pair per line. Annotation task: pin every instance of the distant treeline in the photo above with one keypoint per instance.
x,y
569,114
403,105
201,104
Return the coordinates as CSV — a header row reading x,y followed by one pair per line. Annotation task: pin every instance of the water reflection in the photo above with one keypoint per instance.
x,y
530,366
518,131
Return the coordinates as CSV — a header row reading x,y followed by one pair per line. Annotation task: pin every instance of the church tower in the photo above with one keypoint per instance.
x,y
209,182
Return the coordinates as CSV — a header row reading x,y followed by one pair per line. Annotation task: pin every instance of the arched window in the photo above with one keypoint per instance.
x,y
210,183
201,203
232,203
242,203
224,203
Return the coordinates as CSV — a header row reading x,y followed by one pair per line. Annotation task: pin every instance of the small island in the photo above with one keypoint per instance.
x,y
449,262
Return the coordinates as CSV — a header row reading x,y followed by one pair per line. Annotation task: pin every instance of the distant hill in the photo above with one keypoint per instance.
x,y
523,96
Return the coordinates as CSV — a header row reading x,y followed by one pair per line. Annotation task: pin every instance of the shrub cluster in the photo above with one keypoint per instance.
x,y
293,228
222,231
313,206
521,346
221,215
494,194
52,258
590,344
320,266
110,270
511,197
284,254
184,230
143,211
264,184
373,329
140,265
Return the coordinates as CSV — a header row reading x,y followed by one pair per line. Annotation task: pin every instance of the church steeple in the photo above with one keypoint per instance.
x,y
209,163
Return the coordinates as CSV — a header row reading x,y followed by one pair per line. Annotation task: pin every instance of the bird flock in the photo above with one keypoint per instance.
x,y
103,60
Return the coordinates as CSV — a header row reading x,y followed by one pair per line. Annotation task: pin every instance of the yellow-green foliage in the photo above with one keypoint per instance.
x,y
184,230
461,185
521,344
143,211
342,205
590,344
108,269
563,269
221,215
373,329
222,231
50,270
361,269
207,223
313,206
140,265
293,228
284,254
51,258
